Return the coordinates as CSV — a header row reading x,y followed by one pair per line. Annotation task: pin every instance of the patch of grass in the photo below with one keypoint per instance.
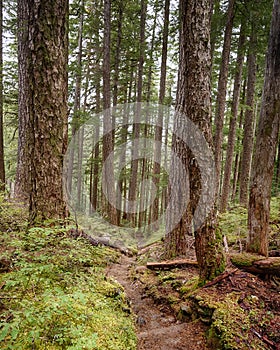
x,y
55,294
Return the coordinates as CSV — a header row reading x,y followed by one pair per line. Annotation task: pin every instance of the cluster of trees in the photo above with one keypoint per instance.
x,y
73,64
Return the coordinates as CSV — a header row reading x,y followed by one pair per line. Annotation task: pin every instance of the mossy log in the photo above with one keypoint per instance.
x,y
257,264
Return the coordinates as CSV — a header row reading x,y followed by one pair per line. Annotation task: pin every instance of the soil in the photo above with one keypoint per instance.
x,y
157,326
156,302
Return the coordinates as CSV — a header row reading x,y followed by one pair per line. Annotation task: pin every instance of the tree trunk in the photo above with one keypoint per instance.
x,y
277,177
222,91
158,130
266,142
236,172
22,182
2,163
136,126
233,120
45,132
118,52
194,102
248,139
77,111
108,182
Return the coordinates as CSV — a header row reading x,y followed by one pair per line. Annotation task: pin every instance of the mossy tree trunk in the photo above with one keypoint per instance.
x,y
266,142
44,63
194,102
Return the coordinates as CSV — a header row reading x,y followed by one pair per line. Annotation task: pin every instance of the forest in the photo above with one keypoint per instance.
x,y
140,174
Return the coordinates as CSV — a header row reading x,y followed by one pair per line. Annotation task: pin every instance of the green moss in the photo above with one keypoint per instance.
x,y
245,259
56,295
189,287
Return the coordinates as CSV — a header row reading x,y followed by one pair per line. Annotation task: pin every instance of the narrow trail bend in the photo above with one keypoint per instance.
x,y
157,327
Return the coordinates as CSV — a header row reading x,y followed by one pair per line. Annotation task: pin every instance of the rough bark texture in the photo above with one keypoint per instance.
x,y
233,120
158,131
222,90
108,184
136,126
194,102
2,164
266,142
21,182
246,158
44,57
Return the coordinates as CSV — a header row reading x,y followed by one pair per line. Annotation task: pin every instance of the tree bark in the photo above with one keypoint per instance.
x,y
2,163
246,158
136,125
233,120
194,102
158,130
222,90
108,184
236,172
77,132
21,181
45,48
266,142
118,52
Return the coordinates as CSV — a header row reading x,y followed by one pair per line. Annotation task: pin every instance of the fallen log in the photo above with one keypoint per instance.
x,y
257,264
171,264
75,233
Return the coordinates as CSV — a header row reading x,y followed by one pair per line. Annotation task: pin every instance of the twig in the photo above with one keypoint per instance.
x,y
220,278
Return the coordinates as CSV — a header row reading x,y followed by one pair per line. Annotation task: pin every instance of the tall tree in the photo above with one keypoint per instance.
x,y
194,102
21,183
158,131
136,125
2,164
108,184
222,91
248,140
266,142
45,57
233,120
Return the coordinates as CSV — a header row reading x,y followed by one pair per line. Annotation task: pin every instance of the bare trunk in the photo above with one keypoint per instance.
x,y
136,126
233,120
21,182
118,52
266,142
248,139
46,100
158,131
108,184
222,90
2,163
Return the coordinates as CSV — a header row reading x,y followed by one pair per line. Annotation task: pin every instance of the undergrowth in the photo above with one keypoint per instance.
x,y
54,293
233,224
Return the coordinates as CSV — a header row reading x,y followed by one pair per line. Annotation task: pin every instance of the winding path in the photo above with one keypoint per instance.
x,y
157,327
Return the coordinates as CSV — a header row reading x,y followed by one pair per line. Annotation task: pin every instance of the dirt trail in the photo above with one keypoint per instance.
x,y
157,328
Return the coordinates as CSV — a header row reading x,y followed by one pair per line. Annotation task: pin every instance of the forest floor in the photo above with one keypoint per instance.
x,y
242,311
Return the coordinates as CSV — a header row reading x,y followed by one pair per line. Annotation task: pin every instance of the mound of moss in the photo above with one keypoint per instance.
x,y
54,294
